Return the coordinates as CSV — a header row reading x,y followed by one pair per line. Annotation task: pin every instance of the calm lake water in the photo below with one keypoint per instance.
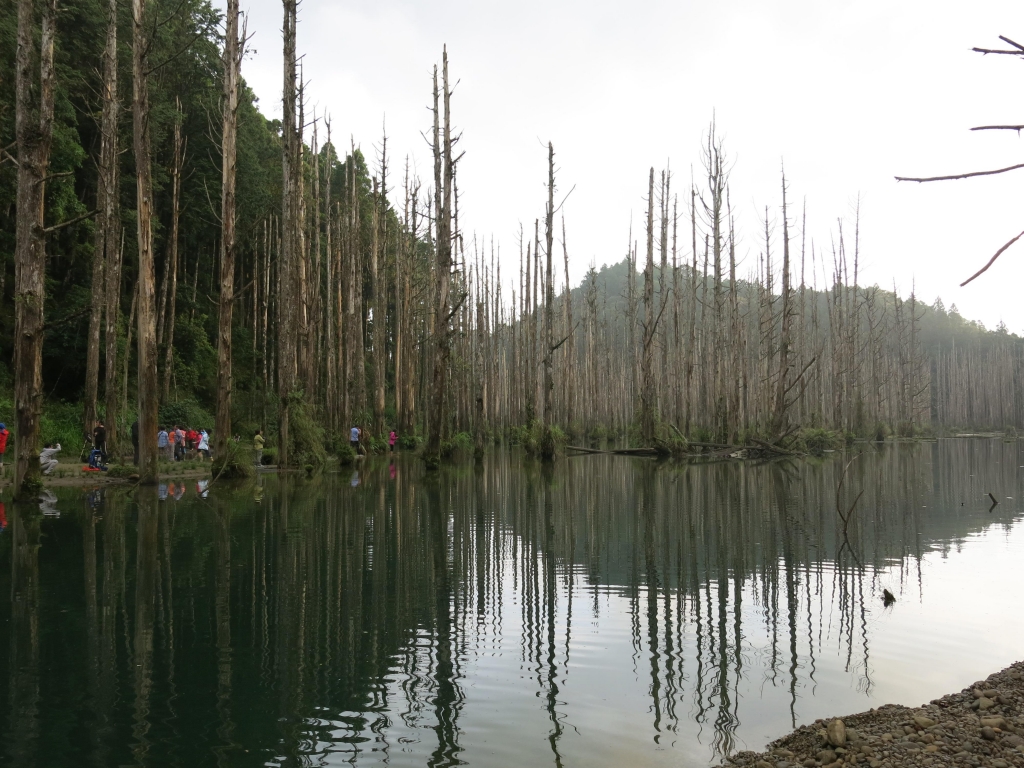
x,y
610,612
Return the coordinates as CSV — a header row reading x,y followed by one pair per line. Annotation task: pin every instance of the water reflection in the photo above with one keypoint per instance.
x,y
487,613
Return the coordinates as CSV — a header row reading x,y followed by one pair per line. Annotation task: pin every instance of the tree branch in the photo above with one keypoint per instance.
x,y
66,318
69,222
992,260
989,50
962,175
1017,128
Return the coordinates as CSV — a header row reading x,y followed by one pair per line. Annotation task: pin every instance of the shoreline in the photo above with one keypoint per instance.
x,y
982,725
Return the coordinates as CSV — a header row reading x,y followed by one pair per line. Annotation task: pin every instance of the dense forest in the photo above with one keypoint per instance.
x,y
169,253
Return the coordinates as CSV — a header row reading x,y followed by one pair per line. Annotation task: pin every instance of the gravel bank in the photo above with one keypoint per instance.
x,y
983,725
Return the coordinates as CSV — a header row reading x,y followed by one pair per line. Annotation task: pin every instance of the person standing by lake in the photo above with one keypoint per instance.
x,y
257,444
204,444
162,442
179,444
353,439
391,441
99,441
4,434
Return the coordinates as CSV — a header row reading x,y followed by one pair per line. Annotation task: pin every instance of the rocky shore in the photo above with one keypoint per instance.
x,y
983,725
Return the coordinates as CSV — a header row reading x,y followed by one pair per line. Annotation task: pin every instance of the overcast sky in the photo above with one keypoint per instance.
x,y
845,94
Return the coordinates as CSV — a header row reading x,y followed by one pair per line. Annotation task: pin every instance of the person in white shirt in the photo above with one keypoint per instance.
x,y
48,458
204,443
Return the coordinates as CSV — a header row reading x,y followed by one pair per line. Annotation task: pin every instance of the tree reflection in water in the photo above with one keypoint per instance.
x,y
433,618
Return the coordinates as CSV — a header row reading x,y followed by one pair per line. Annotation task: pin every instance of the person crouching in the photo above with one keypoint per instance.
x,y
48,458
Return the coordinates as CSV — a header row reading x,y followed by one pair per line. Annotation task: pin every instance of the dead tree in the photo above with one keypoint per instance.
x,y
110,223
147,378
1016,49
171,270
647,394
287,293
106,207
229,136
547,448
33,131
444,174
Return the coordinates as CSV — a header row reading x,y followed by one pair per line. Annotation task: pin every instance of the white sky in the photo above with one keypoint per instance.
x,y
846,94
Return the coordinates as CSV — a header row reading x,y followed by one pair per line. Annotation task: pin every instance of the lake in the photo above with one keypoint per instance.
x,y
610,611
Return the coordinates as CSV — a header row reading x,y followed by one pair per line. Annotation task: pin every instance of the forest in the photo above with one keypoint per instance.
x,y
171,254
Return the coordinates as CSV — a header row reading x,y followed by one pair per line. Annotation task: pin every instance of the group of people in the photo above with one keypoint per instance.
x,y
182,443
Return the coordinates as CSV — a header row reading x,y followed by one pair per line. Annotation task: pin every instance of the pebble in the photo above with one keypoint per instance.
x,y
836,733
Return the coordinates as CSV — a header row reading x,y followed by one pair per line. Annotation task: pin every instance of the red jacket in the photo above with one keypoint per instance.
x,y
3,439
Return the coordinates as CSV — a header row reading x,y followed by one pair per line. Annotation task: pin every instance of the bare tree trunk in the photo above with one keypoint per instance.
x,y
229,135
444,172
287,297
379,281
647,395
115,259
547,448
171,276
107,235
34,130
147,379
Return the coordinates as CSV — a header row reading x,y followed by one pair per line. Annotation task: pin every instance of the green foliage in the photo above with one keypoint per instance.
x,y
905,429
62,423
306,436
123,471
186,412
269,455
816,440
410,442
345,455
237,463
880,432
459,442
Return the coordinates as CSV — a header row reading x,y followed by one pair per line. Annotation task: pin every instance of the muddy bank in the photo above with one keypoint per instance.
x,y
982,725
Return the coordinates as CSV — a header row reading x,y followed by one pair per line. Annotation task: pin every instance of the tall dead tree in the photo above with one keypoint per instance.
x,y
647,393
444,174
782,386
171,269
147,379
33,131
110,223
547,447
229,136
287,295
107,226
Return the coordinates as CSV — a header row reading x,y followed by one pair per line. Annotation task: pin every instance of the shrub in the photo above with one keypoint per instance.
x,y
905,429
881,432
122,470
306,436
269,455
460,441
410,442
345,454
816,440
238,462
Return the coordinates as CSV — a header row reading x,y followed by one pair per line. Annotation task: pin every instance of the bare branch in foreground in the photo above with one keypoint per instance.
x,y
1017,128
992,260
962,175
